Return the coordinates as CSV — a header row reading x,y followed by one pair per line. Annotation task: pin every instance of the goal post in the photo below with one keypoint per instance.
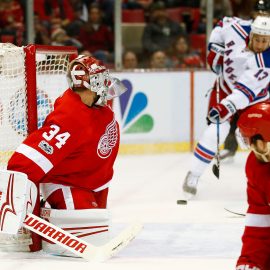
x,y
31,78
47,60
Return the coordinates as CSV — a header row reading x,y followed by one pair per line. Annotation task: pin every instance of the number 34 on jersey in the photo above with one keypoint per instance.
x,y
55,133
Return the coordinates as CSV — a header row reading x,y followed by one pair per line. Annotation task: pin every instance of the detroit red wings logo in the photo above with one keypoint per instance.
x,y
108,140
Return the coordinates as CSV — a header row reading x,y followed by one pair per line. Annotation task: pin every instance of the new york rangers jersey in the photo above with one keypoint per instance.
x,y
76,146
245,75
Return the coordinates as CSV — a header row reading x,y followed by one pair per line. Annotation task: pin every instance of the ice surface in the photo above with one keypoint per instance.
x,y
198,236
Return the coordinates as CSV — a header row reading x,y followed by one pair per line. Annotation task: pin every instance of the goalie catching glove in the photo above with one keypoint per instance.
x,y
18,196
221,112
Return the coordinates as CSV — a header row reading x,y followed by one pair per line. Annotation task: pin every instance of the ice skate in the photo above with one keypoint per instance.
x,y
190,185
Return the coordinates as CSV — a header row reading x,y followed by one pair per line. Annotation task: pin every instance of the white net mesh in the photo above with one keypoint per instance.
x,y
12,99
51,81
51,69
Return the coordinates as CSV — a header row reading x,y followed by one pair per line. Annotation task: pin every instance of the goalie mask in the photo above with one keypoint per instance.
x,y
254,124
86,72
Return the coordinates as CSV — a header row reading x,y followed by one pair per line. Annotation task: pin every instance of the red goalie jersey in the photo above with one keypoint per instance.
x,y
76,146
256,237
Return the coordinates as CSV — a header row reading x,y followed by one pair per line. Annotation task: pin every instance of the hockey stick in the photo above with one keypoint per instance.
x,y
235,213
216,166
78,246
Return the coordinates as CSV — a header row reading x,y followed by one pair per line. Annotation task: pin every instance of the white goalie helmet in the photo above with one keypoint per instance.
x,y
261,26
86,72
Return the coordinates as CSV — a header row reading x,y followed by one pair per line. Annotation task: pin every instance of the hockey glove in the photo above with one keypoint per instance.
x,y
247,267
221,112
215,57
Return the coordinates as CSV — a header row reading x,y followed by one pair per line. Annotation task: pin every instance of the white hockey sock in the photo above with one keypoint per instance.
x,y
206,148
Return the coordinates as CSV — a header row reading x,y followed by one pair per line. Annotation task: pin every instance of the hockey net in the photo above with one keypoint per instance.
x,y
31,78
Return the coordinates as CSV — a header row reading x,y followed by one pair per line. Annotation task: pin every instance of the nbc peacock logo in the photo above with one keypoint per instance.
x,y
132,108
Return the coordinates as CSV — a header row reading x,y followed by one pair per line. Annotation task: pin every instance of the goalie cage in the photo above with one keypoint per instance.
x,y
31,78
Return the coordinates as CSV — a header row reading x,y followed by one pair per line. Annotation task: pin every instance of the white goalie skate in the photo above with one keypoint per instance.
x,y
190,185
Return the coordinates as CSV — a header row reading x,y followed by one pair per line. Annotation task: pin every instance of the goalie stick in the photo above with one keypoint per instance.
x,y
78,246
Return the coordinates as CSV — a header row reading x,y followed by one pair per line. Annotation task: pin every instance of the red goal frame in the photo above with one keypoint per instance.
x,y
30,75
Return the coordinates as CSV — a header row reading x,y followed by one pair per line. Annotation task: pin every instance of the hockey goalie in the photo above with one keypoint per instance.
x,y
69,159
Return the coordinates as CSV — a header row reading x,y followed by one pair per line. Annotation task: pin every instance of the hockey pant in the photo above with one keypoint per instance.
x,y
70,198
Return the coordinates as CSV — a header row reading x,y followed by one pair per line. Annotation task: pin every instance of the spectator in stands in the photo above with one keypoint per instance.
x,y
41,32
145,4
96,37
221,8
183,3
107,6
130,60
182,56
60,38
11,21
134,4
174,3
161,31
159,60
80,9
54,13
243,8
84,52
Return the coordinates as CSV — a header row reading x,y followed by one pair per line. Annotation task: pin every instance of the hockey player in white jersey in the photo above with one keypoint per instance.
x,y
261,8
244,81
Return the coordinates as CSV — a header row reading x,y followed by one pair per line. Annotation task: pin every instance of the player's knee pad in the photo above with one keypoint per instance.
x,y
91,225
18,197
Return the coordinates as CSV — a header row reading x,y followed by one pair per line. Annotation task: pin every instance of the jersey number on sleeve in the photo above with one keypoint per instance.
x,y
54,133
261,74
